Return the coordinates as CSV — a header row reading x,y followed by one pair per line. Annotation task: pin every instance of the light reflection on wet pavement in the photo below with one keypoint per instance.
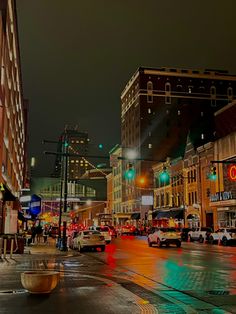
x,y
192,279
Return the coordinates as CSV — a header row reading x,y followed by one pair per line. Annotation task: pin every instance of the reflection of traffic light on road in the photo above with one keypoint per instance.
x,y
213,175
164,175
130,172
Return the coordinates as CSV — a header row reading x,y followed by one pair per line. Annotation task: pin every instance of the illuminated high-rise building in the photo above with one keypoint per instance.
x,y
77,149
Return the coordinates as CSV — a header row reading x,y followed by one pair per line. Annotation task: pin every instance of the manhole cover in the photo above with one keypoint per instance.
x,y
13,291
218,292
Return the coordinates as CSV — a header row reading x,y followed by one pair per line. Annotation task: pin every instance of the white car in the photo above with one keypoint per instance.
x,y
164,236
105,231
200,234
225,236
89,239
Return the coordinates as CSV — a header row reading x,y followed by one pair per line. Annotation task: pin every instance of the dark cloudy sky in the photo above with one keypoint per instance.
x,y
78,55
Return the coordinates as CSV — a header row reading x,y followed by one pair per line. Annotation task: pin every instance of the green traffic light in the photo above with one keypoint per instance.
x,y
130,174
66,144
164,176
100,146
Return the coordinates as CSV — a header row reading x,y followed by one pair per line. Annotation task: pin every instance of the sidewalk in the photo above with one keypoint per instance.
x,y
82,288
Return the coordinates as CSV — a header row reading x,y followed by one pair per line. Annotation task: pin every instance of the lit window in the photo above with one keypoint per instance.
x,y
149,145
72,161
82,142
179,112
202,113
77,161
149,110
77,142
202,136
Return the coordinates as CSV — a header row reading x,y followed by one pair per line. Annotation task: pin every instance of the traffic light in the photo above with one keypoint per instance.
x,y
213,175
141,181
130,172
66,144
164,175
100,146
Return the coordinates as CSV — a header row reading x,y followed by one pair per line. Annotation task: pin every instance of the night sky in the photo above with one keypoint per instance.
x,y
78,55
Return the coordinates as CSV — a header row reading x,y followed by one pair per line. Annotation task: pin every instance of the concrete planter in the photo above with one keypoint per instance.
x,y
38,282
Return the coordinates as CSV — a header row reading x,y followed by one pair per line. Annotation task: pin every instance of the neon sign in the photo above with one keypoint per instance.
x,y
232,172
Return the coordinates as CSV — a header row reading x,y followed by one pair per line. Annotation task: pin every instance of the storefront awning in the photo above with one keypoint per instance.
x,y
177,213
7,194
135,216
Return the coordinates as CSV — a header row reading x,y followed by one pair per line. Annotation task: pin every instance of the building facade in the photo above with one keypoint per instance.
x,y
13,117
159,103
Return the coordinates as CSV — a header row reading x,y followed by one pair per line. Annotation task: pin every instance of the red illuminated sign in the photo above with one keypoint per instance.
x,y
232,172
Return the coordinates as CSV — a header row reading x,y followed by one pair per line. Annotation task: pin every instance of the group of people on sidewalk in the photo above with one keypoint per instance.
x,y
39,234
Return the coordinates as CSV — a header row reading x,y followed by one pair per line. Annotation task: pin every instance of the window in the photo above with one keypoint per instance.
x,y
213,96
202,136
167,93
230,93
149,110
167,199
149,145
149,92
189,198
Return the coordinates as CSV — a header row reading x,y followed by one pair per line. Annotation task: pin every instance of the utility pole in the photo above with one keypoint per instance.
x,y
65,166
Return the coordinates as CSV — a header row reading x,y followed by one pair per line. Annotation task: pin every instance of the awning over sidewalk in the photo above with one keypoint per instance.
x,y
135,216
173,213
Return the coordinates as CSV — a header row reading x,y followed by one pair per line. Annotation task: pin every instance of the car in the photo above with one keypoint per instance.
x,y
164,236
224,235
89,239
200,234
128,230
104,231
112,231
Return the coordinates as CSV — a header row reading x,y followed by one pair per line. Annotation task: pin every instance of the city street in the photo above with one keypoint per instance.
x,y
129,277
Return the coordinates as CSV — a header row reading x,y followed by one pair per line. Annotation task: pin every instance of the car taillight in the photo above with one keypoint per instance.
x,y
86,237
101,238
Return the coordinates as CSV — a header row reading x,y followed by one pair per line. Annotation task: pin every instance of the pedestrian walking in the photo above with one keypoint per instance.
x,y
45,235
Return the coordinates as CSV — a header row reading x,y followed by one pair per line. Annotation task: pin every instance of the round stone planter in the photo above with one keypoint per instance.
x,y
38,282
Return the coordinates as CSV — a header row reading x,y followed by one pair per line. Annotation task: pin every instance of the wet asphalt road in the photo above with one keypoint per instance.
x,y
129,277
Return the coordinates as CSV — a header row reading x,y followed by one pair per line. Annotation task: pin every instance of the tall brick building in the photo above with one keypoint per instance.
x,y
158,109
13,120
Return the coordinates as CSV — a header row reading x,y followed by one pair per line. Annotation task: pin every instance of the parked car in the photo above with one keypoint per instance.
x,y
184,233
200,234
89,239
112,231
164,236
128,230
225,236
104,231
